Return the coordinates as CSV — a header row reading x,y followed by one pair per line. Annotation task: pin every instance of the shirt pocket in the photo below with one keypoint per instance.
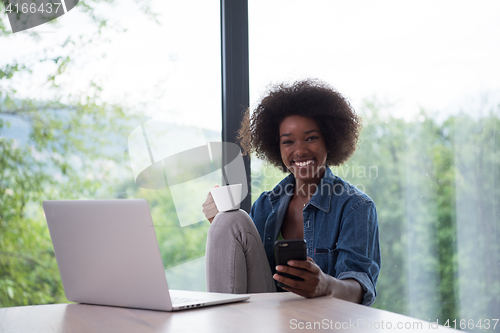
x,y
326,259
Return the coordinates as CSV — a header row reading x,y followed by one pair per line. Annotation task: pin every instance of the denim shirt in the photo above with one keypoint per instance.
x,y
340,229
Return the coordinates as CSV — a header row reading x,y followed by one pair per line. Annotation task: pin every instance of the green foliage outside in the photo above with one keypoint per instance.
x,y
64,154
435,185
177,244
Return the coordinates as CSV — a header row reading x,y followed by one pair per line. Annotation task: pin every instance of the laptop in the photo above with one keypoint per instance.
x,y
108,254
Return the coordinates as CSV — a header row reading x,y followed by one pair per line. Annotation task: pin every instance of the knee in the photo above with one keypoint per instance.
x,y
227,227
231,218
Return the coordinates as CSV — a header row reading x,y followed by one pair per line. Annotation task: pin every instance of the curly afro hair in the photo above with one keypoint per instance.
x,y
337,120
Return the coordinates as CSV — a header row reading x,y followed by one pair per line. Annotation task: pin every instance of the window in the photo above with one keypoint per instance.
x,y
424,78
67,137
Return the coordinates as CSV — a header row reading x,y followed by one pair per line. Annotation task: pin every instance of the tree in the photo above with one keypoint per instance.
x,y
434,185
71,149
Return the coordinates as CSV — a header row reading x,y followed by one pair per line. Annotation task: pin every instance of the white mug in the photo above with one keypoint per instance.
x,y
227,197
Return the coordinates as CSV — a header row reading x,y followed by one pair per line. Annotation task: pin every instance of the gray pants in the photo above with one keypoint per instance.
x,y
236,262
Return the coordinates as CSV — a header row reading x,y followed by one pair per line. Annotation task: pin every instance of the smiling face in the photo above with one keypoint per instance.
x,y
303,148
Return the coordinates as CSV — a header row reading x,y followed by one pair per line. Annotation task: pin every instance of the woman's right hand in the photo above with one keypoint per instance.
x,y
209,207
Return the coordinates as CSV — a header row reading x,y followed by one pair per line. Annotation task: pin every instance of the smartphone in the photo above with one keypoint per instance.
x,y
289,249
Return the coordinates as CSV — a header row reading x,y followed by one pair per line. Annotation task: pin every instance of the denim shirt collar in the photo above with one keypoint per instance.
x,y
321,198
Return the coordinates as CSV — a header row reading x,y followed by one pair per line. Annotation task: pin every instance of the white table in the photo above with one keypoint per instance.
x,y
274,312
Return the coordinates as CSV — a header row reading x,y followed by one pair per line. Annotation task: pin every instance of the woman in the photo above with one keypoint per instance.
x,y
300,128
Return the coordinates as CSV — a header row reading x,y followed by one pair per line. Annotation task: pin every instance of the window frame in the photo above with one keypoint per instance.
x,y
235,77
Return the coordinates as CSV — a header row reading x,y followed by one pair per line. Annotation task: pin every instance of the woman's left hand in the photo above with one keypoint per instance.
x,y
316,283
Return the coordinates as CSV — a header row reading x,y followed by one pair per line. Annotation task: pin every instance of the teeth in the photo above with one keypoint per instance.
x,y
302,164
